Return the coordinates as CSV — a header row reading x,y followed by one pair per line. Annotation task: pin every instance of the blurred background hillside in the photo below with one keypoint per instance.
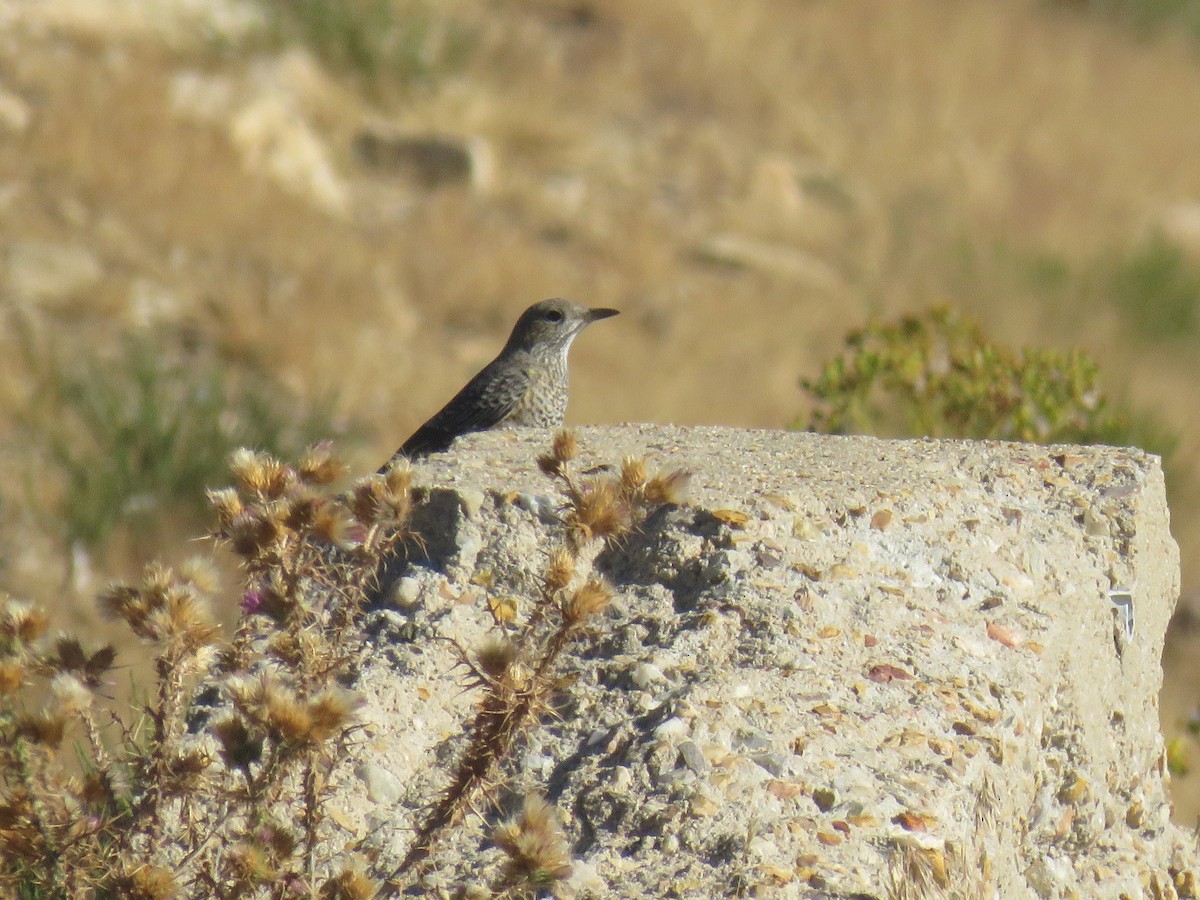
x,y
268,221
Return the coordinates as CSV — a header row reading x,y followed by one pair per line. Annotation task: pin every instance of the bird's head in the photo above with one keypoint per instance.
x,y
551,325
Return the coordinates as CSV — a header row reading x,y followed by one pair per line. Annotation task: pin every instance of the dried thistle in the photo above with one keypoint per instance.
x,y
332,523
349,884
319,466
261,474
227,504
550,466
633,475
495,658
560,569
163,608
239,747
592,597
150,882
44,726
201,574
364,497
121,601
598,510
69,657
300,507
287,719
565,448
252,864
669,488
331,712
70,693
12,677
22,622
538,855
253,531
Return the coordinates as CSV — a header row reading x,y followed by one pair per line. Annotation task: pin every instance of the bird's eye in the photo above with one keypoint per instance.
x,y
553,315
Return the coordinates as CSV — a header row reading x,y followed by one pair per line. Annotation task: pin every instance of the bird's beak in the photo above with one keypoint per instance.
x,y
595,315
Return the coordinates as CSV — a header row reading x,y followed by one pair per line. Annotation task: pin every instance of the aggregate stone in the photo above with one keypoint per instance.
x,y
838,660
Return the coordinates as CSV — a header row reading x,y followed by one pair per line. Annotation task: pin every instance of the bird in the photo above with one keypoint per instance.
x,y
525,385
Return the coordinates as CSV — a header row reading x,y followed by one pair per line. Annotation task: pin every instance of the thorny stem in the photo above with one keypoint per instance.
x,y
311,818
53,852
163,716
497,725
99,754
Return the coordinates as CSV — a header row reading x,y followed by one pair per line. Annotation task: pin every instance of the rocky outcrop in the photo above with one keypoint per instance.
x,y
845,667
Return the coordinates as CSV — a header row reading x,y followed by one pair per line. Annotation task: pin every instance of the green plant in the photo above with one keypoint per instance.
x,y
1146,15
125,435
937,375
379,39
1157,290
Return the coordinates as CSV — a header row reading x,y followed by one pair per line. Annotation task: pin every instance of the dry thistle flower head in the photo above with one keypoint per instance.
x,y
559,569
332,523
46,726
278,841
227,504
150,882
185,768
200,573
299,507
349,884
669,488
252,531
68,656
549,466
397,503
286,718
592,597
565,447
318,465
163,608
260,473
399,477
331,712
70,693
22,622
239,748
384,500
364,497
537,850
189,621
252,864
495,658
12,677
122,601
598,511
633,474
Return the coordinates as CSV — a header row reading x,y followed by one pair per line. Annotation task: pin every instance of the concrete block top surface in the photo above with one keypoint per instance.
x,y
841,666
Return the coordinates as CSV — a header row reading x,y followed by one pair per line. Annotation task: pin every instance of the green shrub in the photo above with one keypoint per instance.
x,y
1157,290
379,39
1146,15
120,437
937,375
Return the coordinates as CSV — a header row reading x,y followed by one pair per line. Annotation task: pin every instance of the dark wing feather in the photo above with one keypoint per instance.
x,y
487,400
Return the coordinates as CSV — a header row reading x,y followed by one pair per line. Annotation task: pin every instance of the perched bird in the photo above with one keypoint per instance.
x,y
525,385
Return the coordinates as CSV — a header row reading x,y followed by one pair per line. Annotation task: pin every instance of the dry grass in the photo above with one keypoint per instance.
x,y
875,145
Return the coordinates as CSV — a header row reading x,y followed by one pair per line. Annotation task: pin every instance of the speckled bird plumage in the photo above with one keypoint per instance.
x,y
526,385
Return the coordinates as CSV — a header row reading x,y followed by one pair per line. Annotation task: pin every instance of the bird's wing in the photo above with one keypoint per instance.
x,y
487,400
